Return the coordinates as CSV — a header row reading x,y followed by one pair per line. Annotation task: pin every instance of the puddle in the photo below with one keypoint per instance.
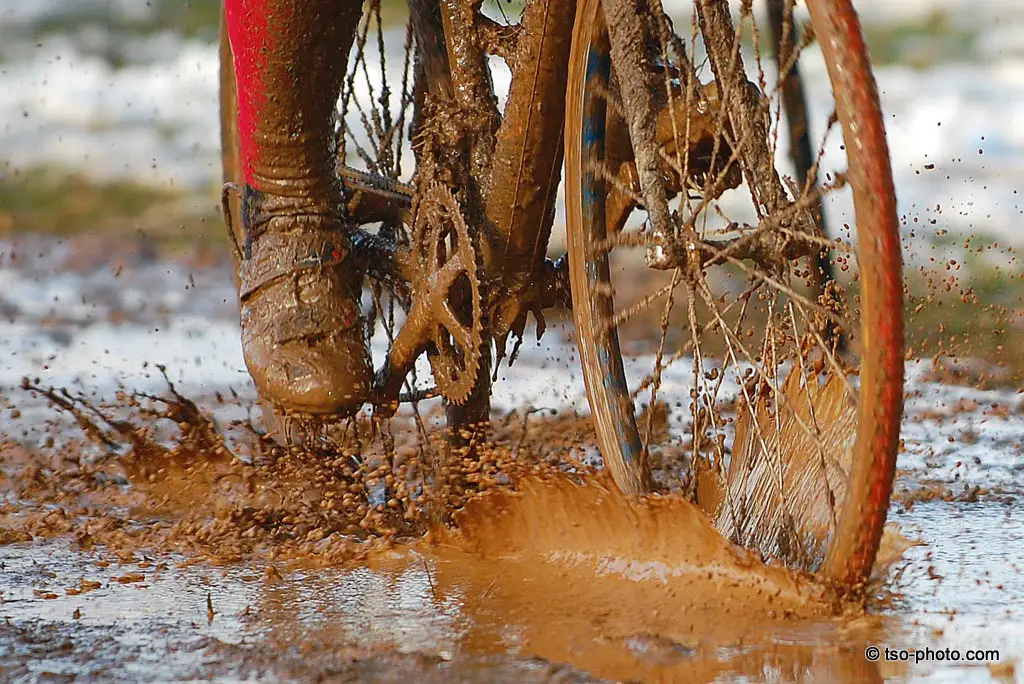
x,y
550,584
517,615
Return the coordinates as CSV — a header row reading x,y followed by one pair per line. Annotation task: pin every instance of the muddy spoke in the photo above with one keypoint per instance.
x,y
676,279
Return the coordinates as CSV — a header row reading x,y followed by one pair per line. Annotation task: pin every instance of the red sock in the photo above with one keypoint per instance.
x,y
290,59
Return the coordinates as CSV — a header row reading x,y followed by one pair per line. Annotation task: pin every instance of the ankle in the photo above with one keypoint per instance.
x,y
264,212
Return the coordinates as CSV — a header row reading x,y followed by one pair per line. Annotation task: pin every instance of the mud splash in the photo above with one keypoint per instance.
x,y
589,527
627,590
544,558
789,509
126,553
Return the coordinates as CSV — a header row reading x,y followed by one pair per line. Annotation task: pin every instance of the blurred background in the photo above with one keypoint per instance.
x,y
109,140
108,114
114,259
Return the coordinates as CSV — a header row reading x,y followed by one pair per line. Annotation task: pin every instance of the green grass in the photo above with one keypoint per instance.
x,y
192,18
922,42
100,31
57,202
195,18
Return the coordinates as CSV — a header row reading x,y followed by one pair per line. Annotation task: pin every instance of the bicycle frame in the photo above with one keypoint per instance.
x,y
509,167
508,164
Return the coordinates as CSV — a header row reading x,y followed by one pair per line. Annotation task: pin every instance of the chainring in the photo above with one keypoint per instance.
x,y
447,277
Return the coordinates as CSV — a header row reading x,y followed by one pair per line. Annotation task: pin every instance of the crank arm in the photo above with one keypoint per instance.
x,y
411,341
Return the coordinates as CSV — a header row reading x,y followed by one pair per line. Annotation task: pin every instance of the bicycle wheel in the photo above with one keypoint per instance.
x,y
682,221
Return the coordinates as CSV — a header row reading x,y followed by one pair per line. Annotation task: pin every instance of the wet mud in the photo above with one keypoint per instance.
x,y
153,533
550,573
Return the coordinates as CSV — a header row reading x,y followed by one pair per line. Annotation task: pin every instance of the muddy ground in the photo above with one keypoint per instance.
x,y
168,541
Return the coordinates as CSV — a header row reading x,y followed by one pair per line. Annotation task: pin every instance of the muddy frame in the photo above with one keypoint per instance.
x,y
508,168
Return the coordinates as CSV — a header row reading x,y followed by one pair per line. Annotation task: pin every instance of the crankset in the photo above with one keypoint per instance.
x,y
446,316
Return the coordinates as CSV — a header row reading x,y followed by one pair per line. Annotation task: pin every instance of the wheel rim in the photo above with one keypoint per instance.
x,y
603,372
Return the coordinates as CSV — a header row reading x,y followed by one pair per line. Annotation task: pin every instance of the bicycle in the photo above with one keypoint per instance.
x,y
460,247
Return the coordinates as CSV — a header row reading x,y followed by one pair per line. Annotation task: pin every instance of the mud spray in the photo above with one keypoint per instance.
x,y
544,548
524,564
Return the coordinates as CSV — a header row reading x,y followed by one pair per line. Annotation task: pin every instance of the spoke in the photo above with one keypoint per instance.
x,y
829,356
691,343
641,306
676,278
624,239
697,430
387,127
691,96
769,337
731,339
371,130
814,422
615,181
407,97
758,370
785,289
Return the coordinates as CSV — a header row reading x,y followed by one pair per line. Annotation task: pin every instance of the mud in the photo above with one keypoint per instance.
x,y
559,568
178,576
544,558
175,543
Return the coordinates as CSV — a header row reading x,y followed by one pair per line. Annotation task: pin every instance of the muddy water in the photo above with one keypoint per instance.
x,y
555,582
440,611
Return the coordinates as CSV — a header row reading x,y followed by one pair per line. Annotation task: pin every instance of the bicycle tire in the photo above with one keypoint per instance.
x,y
856,537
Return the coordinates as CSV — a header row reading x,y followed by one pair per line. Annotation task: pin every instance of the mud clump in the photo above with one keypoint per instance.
x,y
157,474
188,492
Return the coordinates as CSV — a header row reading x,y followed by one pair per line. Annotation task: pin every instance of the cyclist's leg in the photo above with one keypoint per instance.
x,y
302,335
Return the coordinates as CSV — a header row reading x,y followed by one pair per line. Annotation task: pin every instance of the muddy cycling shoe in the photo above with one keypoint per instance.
x,y
302,332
